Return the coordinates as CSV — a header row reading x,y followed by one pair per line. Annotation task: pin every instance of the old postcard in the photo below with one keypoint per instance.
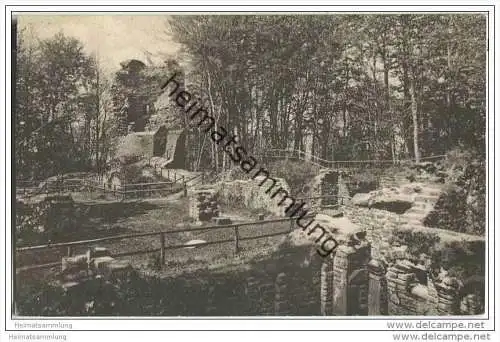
x,y
250,164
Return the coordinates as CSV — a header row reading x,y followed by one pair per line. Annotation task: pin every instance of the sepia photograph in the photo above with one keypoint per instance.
x,y
249,164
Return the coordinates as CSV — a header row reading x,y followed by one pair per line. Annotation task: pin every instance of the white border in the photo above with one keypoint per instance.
x,y
251,323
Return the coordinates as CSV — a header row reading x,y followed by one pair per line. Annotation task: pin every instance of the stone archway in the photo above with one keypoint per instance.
x,y
357,293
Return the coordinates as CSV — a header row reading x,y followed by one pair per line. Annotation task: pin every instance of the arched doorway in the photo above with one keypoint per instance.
x,y
357,293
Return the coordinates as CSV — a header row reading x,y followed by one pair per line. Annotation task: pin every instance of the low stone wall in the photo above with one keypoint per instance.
x,y
248,193
292,279
366,275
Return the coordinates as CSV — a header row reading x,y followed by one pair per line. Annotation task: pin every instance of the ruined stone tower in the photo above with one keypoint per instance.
x,y
129,102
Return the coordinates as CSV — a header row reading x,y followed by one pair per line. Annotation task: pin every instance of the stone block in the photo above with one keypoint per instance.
x,y
119,267
102,262
75,263
407,277
404,266
361,199
97,252
70,286
420,291
222,220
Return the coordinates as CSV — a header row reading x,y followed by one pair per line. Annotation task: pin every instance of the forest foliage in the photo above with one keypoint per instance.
x,y
344,87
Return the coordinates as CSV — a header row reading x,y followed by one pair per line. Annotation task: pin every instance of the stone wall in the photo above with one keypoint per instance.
x,y
379,226
203,204
355,285
378,276
248,193
328,183
283,283
294,280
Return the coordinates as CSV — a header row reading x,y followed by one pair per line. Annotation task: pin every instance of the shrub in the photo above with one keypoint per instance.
x,y
154,262
417,242
462,206
461,259
362,182
411,176
131,174
52,218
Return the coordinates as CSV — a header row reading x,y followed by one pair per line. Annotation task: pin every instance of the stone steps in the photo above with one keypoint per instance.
x,y
424,203
421,206
416,211
392,181
426,198
414,216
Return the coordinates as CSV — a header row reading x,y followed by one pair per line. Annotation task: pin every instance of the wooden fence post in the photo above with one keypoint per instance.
x,y
184,185
168,174
162,248
70,251
236,240
291,224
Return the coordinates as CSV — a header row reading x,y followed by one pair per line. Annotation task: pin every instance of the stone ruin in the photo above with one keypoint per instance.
x,y
356,281
253,196
292,279
203,204
328,183
97,262
355,284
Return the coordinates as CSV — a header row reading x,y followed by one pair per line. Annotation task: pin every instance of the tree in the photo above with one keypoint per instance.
x,y
348,87
53,82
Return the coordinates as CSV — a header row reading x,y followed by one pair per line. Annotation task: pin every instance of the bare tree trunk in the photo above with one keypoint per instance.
x,y
414,115
214,146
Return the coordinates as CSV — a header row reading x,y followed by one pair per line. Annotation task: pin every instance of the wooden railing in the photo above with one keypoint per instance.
x,y
162,239
174,176
122,191
339,164
136,190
